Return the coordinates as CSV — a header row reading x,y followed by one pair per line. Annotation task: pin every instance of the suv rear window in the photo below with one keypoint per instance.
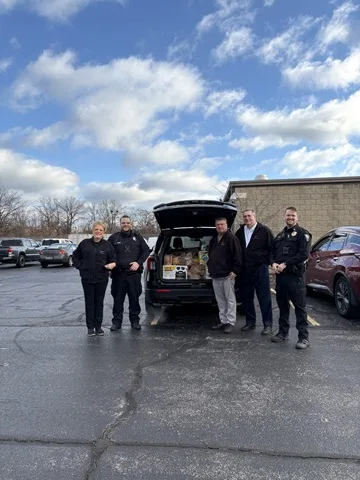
x,y
11,243
49,242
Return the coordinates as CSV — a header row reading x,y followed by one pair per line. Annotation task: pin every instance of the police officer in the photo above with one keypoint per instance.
x,y
131,251
288,259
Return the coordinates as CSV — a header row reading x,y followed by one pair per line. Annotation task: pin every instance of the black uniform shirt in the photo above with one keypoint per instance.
x,y
90,258
130,247
291,246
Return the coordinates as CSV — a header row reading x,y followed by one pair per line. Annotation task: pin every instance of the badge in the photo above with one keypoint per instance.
x,y
294,234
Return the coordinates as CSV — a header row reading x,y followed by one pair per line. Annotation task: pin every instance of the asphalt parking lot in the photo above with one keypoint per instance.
x,y
174,401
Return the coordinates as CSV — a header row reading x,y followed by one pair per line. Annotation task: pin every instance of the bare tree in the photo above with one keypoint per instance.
x,y
11,204
70,210
90,215
144,221
49,214
109,212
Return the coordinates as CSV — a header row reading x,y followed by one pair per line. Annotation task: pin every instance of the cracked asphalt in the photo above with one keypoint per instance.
x,y
174,401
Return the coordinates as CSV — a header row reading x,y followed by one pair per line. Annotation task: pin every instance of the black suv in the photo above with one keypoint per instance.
x,y
176,272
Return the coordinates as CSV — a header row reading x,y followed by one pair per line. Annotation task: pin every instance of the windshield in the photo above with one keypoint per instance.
x,y
49,241
11,243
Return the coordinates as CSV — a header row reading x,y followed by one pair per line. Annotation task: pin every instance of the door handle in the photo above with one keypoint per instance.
x,y
335,258
318,260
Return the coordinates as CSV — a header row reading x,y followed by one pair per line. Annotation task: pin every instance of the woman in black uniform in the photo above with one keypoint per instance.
x,y
94,258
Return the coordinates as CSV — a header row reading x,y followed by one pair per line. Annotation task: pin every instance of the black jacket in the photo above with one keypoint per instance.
x,y
259,248
90,258
291,246
130,247
224,256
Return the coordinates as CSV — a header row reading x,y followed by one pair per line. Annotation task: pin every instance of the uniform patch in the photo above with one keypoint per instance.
x,y
293,234
307,237
134,238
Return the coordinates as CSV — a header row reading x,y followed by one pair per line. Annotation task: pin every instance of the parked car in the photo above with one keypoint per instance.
x,y
51,241
334,268
57,254
19,251
186,230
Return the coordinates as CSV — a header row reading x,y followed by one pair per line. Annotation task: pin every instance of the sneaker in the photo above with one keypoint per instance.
x,y
229,328
247,327
266,330
91,332
219,326
303,343
99,332
115,327
278,338
136,326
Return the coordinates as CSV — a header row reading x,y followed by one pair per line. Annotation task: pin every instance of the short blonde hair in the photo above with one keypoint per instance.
x,y
101,224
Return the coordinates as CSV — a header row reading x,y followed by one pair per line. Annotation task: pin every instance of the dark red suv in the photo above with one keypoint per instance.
x,y
334,268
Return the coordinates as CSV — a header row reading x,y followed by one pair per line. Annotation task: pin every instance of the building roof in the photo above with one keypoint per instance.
x,y
288,181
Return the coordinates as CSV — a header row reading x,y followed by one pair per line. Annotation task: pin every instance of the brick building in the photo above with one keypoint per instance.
x,y
322,203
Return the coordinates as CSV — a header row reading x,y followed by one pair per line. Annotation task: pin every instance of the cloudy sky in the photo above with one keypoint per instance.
x,y
155,100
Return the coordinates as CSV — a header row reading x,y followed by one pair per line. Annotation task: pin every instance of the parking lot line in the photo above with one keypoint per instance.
x,y
310,320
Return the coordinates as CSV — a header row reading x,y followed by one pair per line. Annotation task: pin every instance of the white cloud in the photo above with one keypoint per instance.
x,y
55,10
257,144
332,123
235,44
156,187
165,152
288,45
338,29
223,100
304,162
330,74
269,3
5,63
225,15
32,176
123,105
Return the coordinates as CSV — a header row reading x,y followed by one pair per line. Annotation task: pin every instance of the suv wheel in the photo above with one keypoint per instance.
x,y
70,262
344,298
21,261
44,265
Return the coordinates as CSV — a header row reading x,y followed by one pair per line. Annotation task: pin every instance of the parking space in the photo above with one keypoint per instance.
x,y
174,401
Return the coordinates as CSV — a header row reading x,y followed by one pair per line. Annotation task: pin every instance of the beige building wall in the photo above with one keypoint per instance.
x,y
321,206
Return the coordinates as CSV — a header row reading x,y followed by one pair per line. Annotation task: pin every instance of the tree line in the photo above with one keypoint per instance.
x,y
50,216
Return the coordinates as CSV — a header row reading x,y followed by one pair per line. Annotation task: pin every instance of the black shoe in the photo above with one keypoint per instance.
x,y
99,332
303,343
278,338
218,326
266,330
136,326
91,332
115,327
247,327
229,328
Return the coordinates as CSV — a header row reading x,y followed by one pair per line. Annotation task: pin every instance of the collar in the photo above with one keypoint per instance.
x,y
251,229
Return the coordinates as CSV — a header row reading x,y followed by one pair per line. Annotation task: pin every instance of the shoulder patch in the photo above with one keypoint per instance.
x,y
307,237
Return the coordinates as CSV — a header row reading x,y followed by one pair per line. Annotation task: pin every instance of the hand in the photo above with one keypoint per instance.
x,y
232,276
110,266
281,267
274,266
134,266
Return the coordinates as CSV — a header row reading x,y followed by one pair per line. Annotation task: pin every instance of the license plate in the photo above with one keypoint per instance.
x,y
48,258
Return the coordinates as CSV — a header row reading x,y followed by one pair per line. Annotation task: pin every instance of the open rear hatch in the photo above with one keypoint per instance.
x,y
193,213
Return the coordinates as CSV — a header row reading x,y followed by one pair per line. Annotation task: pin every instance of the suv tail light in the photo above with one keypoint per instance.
x,y
151,263
41,252
61,252
10,250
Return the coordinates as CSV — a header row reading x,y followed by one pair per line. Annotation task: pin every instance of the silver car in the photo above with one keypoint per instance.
x,y
57,254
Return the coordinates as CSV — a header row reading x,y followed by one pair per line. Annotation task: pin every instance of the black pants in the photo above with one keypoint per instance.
x,y
292,287
258,282
121,285
94,294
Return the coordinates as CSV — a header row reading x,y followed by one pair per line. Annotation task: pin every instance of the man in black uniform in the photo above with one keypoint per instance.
x,y
288,258
131,251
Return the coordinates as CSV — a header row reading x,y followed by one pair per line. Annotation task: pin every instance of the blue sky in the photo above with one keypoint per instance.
x,y
147,101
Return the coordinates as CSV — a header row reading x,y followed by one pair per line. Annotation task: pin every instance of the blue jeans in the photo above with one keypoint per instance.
x,y
258,282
